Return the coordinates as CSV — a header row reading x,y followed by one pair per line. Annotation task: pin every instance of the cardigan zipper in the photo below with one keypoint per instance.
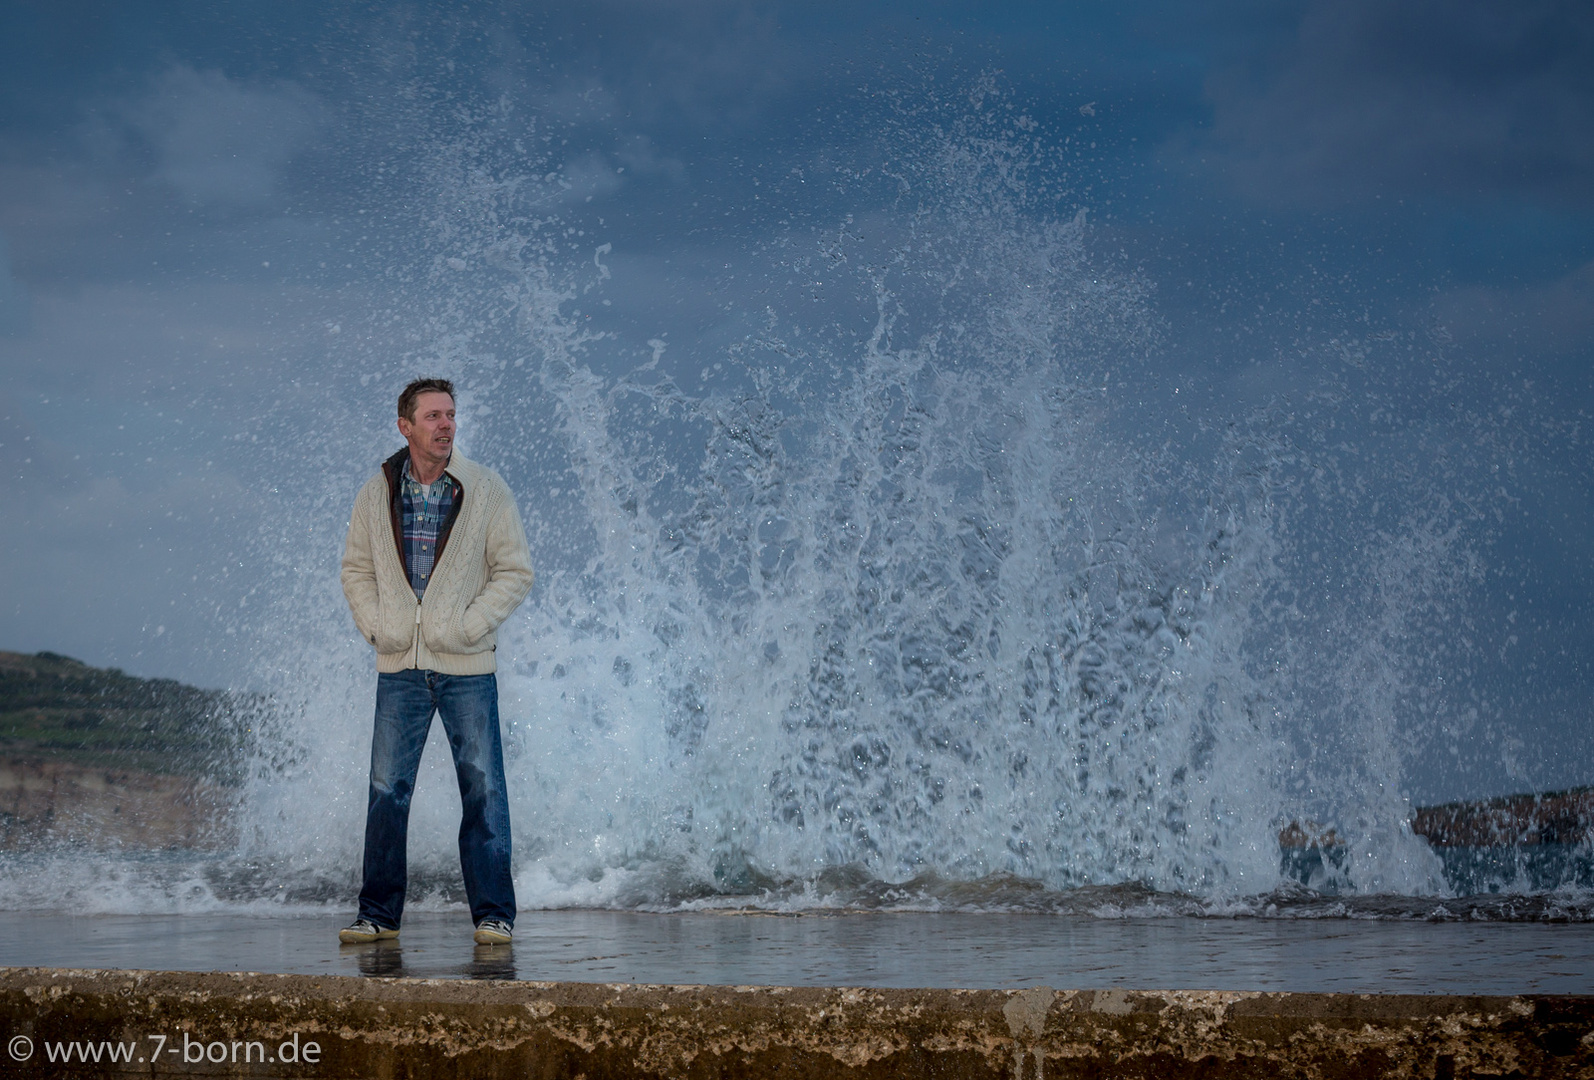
x,y
417,642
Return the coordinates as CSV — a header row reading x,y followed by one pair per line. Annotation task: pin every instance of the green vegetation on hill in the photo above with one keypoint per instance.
x,y
54,707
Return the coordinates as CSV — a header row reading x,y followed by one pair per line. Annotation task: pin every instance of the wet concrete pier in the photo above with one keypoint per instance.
x,y
239,1024
884,950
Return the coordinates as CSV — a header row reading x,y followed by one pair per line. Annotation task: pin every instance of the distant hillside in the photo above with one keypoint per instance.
x,y
59,709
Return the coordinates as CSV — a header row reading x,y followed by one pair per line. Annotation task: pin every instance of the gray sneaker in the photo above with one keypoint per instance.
x,y
361,931
494,932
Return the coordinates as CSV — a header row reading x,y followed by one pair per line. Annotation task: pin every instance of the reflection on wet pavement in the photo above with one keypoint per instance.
x,y
376,957
385,959
492,962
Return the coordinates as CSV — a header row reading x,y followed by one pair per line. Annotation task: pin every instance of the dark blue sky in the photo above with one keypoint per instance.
x,y
1388,205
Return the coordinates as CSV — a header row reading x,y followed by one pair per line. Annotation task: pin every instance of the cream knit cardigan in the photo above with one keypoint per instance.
x,y
484,574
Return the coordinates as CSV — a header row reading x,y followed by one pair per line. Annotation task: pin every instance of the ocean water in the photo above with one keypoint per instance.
x,y
910,587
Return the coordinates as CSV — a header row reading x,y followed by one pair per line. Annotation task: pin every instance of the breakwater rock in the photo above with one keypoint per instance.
x,y
163,1023
1552,817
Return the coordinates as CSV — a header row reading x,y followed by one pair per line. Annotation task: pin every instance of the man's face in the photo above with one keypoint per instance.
x,y
431,433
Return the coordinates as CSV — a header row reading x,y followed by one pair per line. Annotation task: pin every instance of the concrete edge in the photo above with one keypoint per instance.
x,y
248,1024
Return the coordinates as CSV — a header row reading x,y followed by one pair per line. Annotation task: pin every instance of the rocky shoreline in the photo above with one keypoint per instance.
x,y
94,757
45,803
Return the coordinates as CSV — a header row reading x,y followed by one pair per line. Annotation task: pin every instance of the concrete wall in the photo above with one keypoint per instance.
x,y
245,1025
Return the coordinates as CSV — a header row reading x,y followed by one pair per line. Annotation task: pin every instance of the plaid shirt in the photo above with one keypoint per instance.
x,y
424,510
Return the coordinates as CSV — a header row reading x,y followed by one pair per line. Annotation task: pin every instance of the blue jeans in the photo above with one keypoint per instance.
x,y
468,704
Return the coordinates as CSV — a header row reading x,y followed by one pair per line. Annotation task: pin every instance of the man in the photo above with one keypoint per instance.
x,y
436,559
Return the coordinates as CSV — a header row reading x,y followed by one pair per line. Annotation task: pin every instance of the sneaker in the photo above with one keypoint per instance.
x,y
361,931
494,932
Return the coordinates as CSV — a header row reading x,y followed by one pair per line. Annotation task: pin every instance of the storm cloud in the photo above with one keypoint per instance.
x,y
227,232
215,140
1413,99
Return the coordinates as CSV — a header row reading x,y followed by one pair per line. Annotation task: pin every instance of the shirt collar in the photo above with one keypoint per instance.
x,y
409,478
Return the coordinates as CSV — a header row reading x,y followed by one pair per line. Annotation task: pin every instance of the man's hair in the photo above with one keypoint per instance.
x,y
406,407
